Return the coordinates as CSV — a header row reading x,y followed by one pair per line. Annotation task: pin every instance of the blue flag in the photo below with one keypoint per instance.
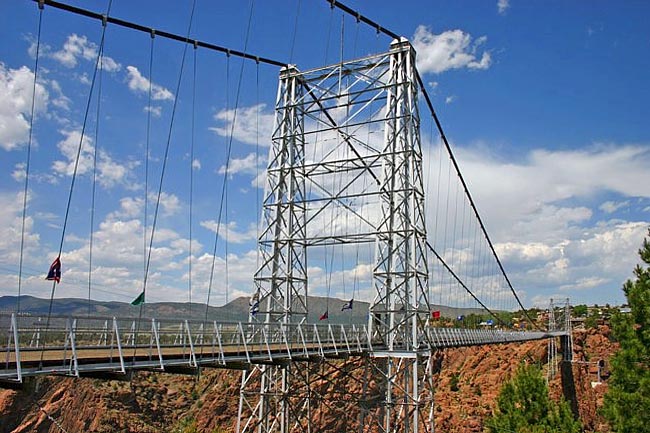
x,y
254,304
348,305
460,318
54,274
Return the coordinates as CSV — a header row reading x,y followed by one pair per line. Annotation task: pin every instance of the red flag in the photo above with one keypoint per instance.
x,y
325,316
435,314
54,274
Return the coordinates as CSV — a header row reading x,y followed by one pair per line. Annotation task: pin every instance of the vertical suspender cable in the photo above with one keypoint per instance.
x,y
146,160
94,184
189,263
160,185
164,166
257,162
28,159
329,35
228,153
295,31
223,188
100,53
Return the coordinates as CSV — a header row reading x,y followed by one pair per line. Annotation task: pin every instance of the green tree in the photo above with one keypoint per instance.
x,y
523,406
580,310
592,320
627,402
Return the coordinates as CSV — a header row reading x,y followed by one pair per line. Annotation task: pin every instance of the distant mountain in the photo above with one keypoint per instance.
x,y
236,310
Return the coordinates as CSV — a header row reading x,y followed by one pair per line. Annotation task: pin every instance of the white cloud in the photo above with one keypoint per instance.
x,y
130,208
60,101
450,99
79,47
538,212
11,208
155,110
69,149
16,89
247,165
83,79
452,49
585,283
140,84
530,252
19,172
109,172
253,125
169,203
229,231
611,207
519,201
196,164
503,6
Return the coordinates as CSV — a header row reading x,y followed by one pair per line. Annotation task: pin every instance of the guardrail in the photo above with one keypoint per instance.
x,y
86,345
78,346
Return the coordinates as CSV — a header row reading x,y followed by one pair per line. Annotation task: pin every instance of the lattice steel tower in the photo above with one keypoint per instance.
x,y
345,167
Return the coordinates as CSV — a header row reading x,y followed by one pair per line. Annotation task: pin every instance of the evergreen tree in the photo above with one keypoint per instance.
x,y
627,402
523,406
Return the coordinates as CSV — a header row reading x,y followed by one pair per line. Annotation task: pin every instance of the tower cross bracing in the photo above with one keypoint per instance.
x,y
345,167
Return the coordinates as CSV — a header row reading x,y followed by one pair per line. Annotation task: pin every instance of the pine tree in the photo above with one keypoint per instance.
x,y
627,402
523,406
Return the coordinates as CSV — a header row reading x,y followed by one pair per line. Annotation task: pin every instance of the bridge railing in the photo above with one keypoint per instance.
x,y
83,345
442,337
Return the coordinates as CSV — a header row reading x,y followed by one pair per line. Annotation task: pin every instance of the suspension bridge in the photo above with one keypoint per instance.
x,y
346,171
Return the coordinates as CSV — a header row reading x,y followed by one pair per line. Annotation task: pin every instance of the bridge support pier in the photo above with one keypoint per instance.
x,y
566,373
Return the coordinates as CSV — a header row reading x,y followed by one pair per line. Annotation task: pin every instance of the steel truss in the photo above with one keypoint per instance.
x,y
559,323
346,138
400,311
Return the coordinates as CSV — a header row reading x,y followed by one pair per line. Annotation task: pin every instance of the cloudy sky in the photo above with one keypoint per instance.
x,y
545,104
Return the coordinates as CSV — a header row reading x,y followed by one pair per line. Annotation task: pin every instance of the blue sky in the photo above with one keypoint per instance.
x,y
545,103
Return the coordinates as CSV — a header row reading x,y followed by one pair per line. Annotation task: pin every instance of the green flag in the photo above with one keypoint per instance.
x,y
139,300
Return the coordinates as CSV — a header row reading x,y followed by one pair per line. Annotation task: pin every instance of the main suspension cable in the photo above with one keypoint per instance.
x,y
185,39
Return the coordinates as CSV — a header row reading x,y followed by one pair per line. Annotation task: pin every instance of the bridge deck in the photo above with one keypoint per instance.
x,y
80,345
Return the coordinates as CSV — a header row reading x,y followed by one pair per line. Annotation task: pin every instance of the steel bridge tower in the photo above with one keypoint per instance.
x,y
346,139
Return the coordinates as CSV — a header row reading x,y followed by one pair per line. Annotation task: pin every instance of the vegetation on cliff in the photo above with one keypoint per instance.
x,y
627,402
524,406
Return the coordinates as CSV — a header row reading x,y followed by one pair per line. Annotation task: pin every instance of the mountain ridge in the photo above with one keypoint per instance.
x,y
236,310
